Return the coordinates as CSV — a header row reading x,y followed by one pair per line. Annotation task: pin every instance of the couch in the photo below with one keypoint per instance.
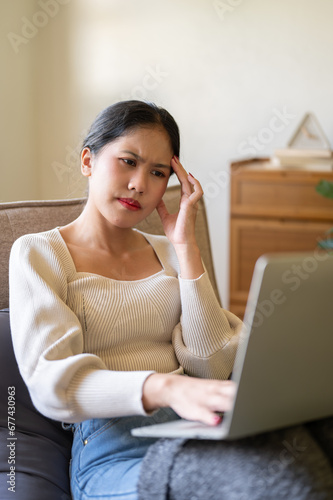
x,y
34,450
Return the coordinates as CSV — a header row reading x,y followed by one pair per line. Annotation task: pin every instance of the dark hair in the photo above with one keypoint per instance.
x,y
120,118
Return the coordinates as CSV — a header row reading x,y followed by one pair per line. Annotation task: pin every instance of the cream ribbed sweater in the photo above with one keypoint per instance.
x,y
86,343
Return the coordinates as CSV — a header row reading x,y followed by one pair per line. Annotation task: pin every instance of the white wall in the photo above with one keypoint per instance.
x,y
226,70
19,176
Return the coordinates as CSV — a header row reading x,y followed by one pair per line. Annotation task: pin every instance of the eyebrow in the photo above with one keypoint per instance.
x,y
138,157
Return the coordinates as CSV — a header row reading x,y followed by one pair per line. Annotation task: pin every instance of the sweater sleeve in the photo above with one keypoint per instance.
x,y
65,383
207,338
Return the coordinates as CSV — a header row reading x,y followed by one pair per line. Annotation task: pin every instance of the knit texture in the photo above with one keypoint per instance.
x,y
85,343
285,464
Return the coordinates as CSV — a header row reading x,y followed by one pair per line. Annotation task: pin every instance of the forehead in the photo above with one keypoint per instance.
x,y
147,139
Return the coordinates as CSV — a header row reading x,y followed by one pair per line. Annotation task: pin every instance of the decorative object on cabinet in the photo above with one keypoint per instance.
x,y
273,209
307,148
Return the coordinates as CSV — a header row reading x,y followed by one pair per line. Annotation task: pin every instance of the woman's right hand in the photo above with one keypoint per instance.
x,y
191,398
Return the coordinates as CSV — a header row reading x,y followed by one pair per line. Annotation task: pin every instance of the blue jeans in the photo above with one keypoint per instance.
x,y
106,458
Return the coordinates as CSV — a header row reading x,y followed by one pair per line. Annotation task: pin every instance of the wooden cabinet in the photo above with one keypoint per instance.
x,y
272,210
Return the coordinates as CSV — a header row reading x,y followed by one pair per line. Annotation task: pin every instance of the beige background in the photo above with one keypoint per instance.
x,y
226,69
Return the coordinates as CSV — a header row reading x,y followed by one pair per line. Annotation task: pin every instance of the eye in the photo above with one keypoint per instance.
x,y
129,162
157,173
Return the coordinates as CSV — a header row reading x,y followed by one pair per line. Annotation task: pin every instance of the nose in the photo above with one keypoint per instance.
x,y
137,181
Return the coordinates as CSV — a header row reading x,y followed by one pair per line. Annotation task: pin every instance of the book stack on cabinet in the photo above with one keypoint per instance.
x,y
273,209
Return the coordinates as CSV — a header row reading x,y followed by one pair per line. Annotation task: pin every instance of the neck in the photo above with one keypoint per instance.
x,y
94,231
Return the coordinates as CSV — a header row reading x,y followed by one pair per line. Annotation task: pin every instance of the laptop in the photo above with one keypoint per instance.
x,y
284,363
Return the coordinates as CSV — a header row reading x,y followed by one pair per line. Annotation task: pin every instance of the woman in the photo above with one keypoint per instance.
x,y
106,320
110,318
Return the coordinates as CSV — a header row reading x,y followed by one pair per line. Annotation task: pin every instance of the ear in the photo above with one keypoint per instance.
x,y
86,162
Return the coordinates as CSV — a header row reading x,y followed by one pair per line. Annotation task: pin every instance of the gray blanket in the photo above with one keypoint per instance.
x,y
292,464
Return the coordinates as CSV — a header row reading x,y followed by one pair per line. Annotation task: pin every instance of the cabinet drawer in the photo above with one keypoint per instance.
x,y
251,238
279,193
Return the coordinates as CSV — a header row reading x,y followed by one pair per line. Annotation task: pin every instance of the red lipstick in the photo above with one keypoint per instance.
x,y
129,203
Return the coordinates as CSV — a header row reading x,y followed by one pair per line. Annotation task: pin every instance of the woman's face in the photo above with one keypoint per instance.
x,y
129,175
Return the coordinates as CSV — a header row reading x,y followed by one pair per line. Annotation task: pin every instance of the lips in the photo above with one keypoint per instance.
x,y
129,203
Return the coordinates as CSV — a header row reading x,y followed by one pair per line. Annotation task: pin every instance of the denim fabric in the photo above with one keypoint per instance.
x,y
106,458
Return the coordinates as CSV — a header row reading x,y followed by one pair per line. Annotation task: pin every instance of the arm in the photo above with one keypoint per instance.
x,y
180,227
206,340
65,383
208,336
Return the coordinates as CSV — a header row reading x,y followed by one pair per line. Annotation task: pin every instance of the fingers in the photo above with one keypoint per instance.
x,y
219,397
162,210
209,418
201,399
181,174
198,191
191,186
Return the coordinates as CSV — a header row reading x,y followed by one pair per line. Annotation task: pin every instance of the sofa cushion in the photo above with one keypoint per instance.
x,y
40,448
